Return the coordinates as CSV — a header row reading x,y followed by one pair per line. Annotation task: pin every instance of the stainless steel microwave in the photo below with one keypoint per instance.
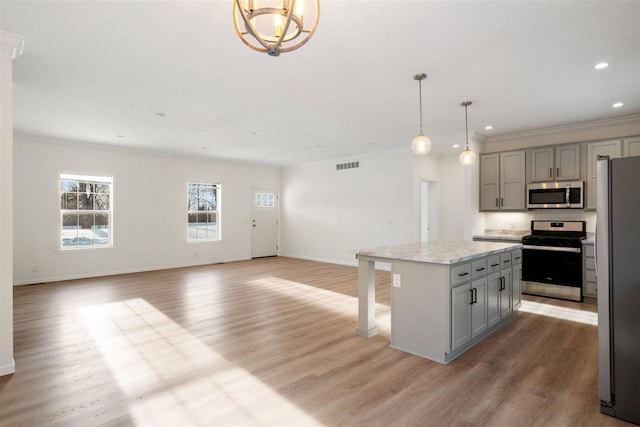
x,y
556,195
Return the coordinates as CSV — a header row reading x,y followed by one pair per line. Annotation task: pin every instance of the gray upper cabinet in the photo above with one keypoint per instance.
x,y
612,149
502,181
555,163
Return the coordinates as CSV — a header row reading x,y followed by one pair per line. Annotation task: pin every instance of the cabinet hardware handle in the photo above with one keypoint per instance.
x,y
480,269
463,274
471,299
517,257
506,261
497,202
502,201
475,295
494,265
557,171
550,172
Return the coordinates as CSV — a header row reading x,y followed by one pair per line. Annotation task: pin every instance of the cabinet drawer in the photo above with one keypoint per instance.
x,y
590,276
588,251
460,273
516,256
493,264
590,263
505,260
479,268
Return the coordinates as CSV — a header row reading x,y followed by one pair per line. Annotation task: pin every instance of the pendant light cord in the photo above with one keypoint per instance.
x,y
466,125
420,86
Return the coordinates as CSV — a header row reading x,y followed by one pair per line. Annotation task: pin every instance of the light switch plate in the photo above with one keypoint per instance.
x,y
396,280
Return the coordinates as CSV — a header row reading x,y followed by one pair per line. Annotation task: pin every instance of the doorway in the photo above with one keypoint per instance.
x,y
428,210
264,224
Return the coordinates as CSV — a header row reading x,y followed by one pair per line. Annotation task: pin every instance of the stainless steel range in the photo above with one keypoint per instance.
x,y
552,259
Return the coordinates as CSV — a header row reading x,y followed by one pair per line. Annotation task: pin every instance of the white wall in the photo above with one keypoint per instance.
x,y
328,214
11,46
150,211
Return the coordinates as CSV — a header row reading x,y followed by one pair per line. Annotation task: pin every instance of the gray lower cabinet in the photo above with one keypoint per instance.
x,y
468,312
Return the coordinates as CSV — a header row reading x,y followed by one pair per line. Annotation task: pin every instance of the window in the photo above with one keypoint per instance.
x,y
86,211
203,215
264,200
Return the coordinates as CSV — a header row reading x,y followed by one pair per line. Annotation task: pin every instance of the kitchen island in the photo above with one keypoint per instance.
x,y
445,296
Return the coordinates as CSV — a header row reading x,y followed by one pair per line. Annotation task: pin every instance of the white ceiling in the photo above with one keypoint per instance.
x,y
92,71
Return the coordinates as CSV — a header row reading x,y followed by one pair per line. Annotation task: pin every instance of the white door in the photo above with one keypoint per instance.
x,y
264,223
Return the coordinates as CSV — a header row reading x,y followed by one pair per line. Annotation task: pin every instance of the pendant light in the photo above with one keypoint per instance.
x,y
421,144
467,157
275,26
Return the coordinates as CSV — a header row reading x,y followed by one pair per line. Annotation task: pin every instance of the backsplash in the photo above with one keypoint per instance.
x,y
522,220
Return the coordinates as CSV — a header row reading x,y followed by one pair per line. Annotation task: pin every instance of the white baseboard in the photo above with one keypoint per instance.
x,y
384,266
8,369
116,272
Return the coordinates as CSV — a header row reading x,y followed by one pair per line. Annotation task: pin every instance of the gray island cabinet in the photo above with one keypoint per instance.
x,y
445,296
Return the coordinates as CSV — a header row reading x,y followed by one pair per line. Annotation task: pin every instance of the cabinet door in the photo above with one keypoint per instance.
x,y
631,147
512,181
517,286
506,298
541,164
460,315
594,150
479,322
493,299
489,182
567,162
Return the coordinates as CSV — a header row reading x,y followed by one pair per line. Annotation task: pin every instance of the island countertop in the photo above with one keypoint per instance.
x,y
437,252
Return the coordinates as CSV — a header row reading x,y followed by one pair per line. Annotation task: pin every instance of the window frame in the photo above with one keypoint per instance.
x,y
93,179
217,212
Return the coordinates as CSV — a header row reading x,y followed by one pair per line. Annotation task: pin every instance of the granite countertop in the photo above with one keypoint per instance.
x,y
506,235
438,252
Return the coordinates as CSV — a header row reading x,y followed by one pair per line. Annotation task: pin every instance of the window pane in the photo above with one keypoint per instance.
x,y
212,227
68,185
82,187
85,229
101,229
101,201
102,188
258,200
85,201
269,200
70,201
192,226
69,233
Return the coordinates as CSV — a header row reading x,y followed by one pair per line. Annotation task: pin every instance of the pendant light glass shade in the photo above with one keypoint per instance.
x,y
467,157
421,144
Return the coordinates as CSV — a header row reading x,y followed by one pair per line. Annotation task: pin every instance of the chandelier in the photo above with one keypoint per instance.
x,y
275,26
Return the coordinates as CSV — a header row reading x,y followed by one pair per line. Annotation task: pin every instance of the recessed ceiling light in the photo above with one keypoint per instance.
x,y
256,133
488,127
601,65
456,145
617,105
120,136
319,146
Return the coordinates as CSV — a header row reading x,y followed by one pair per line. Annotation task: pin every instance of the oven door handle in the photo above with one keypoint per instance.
x,y
552,248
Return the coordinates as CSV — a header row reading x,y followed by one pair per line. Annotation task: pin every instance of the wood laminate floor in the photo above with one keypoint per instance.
x,y
272,342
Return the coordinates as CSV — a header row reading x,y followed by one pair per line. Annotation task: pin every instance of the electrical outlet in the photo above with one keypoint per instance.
x,y
396,280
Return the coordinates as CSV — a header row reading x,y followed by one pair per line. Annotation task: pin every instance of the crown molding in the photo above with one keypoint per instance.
x,y
582,126
12,41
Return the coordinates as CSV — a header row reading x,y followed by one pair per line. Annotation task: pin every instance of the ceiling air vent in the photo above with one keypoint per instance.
x,y
350,165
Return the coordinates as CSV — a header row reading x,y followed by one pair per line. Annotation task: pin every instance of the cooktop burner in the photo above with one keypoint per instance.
x,y
556,233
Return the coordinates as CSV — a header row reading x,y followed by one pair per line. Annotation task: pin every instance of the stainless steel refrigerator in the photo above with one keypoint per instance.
x,y
618,270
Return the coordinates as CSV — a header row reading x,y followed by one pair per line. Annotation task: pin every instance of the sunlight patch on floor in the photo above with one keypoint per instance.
x,y
172,378
575,315
336,302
